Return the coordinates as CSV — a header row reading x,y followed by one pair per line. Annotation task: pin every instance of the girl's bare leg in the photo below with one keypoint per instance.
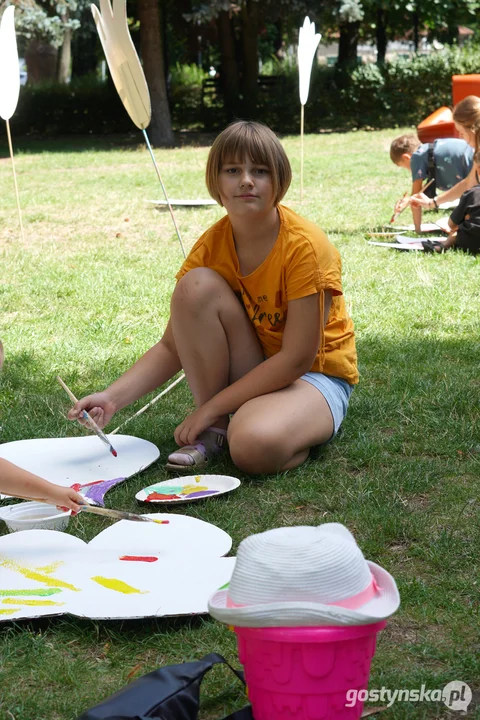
x,y
214,337
275,432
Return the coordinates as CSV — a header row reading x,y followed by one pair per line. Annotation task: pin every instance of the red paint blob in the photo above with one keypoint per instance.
x,y
114,453
160,496
139,558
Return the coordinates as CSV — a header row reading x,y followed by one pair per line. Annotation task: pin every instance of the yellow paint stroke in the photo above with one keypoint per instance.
x,y
10,611
187,489
50,568
16,601
197,478
36,576
117,585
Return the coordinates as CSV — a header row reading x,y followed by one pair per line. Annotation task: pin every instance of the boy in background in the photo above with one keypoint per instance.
x,y
447,161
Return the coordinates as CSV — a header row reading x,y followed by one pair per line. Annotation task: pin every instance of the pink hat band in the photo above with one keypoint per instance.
x,y
352,603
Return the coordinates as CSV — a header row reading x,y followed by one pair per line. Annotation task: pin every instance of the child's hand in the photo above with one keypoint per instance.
x,y
64,498
420,200
189,430
99,407
401,204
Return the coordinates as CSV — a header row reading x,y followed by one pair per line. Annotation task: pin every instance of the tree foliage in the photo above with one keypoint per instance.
x,y
47,20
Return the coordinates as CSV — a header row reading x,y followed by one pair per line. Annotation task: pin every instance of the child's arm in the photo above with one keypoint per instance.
x,y
301,339
416,210
421,200
153,369
21,483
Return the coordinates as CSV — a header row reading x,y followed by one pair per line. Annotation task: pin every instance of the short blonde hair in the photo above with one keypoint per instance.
x,y
246,138
403,144
467,114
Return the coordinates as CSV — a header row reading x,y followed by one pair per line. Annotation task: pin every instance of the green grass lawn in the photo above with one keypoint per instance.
x,y
88,291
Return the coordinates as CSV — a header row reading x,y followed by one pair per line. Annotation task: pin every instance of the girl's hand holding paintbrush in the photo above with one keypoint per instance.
x,y
20,483
99,406
87,419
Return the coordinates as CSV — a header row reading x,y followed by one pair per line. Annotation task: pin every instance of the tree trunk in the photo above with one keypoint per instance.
x,y
229,76
381,35
160,132
85,44
41,60
250,56
416,23
347,46
64,61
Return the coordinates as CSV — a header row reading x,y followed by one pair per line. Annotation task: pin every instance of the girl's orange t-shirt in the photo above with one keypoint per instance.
x,y
302,262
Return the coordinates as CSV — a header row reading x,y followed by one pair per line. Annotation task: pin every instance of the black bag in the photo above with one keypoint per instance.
x,y
169,693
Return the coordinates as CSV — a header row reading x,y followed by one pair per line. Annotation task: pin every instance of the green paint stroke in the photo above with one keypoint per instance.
x,y
42,592
16,601
164,489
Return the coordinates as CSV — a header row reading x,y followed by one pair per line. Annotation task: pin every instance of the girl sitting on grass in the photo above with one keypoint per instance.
x,y
258,324
21,483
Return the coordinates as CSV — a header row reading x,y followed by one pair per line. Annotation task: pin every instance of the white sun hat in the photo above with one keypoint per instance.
x,y
304,576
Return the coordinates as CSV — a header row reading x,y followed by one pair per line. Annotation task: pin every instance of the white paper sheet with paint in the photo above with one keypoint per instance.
x,y
44,572
82,460
184,537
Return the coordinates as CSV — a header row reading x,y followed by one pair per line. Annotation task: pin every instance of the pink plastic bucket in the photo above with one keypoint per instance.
x,y
304,673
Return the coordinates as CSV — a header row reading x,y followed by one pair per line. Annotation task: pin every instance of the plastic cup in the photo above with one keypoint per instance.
x,y
305,673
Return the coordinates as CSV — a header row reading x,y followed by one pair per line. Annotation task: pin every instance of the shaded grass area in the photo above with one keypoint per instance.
x,y
88,291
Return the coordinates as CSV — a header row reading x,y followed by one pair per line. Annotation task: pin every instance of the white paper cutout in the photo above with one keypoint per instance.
x,y
171,571
307,46
82,460
122,59
9,66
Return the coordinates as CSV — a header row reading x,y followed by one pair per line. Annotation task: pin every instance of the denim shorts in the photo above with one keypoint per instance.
x,y
335,391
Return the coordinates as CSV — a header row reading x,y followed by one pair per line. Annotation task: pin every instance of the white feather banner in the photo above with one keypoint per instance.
x,y
127,74
122,59
307,46
9,67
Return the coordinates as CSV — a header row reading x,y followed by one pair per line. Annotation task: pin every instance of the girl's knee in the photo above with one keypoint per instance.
x,y
256,451
197,286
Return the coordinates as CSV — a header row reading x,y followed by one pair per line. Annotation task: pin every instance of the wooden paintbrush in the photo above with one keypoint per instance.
x,y
121,514
406,195
90,422
106,512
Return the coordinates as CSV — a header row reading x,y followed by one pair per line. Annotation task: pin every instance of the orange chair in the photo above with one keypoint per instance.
x,y
437,125
463,85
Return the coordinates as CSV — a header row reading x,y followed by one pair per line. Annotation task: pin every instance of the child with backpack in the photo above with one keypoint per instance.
x,y
447,161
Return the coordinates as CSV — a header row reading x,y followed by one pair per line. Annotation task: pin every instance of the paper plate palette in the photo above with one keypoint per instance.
x,y
188,489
